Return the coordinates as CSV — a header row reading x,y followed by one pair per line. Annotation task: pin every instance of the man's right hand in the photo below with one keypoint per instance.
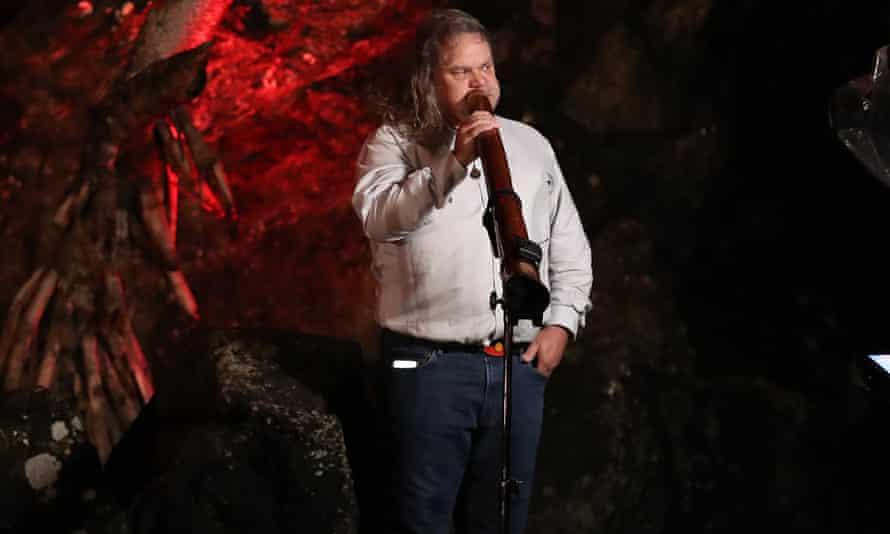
x,y
465,142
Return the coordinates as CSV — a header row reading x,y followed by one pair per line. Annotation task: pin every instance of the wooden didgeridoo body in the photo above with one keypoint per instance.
x,y
525,297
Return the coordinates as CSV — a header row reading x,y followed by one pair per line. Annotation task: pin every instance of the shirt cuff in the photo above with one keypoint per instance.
x,y
446,174
564,316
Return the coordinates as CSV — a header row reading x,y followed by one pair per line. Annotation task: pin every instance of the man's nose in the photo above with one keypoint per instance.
x,y
476,79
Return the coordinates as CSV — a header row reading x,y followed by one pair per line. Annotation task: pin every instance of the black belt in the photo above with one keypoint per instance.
x,y
391,337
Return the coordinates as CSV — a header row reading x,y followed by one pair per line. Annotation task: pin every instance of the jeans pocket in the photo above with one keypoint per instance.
x,y
533,370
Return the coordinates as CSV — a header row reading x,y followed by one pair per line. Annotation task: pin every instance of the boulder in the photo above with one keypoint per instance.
x,y
232,442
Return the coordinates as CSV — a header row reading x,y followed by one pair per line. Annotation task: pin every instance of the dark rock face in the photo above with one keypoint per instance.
x,y
50,471
233,443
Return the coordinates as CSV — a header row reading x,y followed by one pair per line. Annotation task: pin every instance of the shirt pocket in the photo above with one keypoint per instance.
x,y
462,203
537,213
537,216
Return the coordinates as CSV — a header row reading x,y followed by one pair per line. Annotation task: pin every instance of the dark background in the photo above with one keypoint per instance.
x,y
771,263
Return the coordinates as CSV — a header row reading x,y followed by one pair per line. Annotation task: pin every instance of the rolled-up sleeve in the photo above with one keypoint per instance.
x,y
570,269
392,195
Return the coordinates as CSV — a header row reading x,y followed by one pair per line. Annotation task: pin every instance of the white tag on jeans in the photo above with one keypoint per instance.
x,y
404,364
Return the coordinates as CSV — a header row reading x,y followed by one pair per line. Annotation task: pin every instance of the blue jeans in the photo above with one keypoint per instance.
x,y
443,410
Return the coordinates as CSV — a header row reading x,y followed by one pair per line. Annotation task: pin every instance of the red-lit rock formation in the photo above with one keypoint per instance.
x,y
109,215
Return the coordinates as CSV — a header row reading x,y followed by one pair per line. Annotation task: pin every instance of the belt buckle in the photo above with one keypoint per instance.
x,y
496,349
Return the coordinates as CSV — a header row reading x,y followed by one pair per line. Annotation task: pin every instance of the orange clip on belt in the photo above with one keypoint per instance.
x,y
495,349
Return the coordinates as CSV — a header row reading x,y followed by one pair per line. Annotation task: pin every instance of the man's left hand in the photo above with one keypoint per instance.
x,y
548,347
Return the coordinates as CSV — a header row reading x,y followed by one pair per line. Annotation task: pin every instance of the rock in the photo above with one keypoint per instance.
x,y
48,470
234,443
42,471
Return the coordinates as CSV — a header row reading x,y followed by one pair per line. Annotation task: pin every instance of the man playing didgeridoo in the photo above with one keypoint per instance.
x,y
421,196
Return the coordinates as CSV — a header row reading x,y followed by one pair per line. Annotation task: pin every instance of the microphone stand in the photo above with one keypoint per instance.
x,y
508,486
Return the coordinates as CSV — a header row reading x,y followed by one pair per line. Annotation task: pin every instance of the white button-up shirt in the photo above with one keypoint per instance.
x,y
432,256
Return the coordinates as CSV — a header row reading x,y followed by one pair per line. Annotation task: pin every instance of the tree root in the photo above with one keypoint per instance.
x,y
22,298
210,168
27,330
89,347
103,428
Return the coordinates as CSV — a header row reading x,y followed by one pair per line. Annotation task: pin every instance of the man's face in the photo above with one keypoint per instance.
x,y
465,65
